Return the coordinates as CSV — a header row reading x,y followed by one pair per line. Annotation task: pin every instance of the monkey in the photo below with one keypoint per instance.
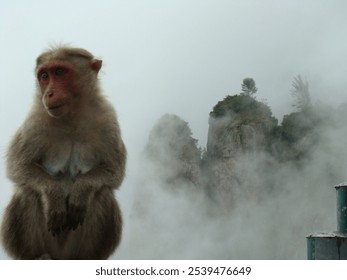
x,y
66,160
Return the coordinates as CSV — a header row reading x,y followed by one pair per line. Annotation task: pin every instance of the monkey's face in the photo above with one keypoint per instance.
x,y
57,83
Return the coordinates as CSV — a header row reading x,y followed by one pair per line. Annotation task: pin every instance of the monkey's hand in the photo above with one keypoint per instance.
x,y
56,212
56,221
77,207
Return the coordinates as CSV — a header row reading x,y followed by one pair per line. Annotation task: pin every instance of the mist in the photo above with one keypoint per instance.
x,y
266,214
181,58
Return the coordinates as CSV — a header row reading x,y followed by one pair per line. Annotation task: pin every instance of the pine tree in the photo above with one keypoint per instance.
x,y
248,87
301,93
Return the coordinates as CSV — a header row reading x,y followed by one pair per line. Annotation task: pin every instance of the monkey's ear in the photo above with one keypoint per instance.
x,y
96,64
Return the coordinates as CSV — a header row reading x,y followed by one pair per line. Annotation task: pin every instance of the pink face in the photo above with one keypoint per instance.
x,y
57,82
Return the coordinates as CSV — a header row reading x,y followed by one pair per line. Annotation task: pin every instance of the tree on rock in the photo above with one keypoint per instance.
x,y
301,93
248,87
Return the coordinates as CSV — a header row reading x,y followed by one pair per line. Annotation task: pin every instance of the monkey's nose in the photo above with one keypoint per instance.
x,y
50,93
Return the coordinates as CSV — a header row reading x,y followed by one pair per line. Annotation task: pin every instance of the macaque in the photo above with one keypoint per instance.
x,y
66,160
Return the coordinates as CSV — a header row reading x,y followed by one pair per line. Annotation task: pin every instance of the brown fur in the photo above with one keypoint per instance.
x,y
65,164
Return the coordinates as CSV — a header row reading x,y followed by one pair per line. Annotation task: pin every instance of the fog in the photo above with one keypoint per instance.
x,y
182,57
266,214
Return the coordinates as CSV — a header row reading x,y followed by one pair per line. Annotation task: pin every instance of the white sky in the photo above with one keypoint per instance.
x,y
178,56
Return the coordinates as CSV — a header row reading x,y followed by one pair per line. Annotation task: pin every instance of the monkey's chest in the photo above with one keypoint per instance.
x,y
68,161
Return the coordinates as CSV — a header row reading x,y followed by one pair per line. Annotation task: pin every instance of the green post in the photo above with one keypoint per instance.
x,y
331,245
341,208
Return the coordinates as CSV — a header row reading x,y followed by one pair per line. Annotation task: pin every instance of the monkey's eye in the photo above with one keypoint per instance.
x,y
44,75
59,71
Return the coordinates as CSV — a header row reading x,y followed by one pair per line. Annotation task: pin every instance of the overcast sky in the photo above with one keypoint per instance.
x,y
179,56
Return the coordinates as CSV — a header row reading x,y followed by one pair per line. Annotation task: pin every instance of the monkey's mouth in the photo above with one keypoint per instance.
x,y
54,107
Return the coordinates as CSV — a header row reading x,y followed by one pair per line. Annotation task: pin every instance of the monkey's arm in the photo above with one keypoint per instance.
x,y
24,169
108,173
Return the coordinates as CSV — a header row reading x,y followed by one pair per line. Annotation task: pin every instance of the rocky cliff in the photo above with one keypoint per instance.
x,y
173,152
244,143
238,126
